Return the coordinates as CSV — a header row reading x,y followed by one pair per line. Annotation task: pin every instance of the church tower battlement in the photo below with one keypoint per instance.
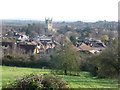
x,y
48,24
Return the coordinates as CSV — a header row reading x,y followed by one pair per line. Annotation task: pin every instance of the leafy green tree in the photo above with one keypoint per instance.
x,y
66,59
106,64
73,38
86,32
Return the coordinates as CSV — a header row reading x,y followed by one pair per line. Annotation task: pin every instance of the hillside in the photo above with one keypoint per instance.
x,y
85,80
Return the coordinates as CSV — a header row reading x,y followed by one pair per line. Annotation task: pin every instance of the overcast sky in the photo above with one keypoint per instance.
x,y
60,10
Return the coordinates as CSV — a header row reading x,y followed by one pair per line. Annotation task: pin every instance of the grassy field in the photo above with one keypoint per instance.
x,y
85,80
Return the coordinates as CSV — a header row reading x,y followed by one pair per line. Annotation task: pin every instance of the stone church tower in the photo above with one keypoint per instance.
x,y
48,25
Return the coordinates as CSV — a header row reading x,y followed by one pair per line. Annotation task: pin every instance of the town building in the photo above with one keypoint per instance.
x,y
48,25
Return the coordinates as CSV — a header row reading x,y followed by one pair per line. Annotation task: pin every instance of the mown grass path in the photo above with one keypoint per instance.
x,y
85,80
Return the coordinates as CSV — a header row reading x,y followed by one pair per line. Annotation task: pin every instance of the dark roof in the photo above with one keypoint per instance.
x,y
98,45
27,48
7,44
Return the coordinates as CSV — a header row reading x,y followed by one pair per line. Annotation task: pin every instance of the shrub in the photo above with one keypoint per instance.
x,y
106,64
44,81
28,61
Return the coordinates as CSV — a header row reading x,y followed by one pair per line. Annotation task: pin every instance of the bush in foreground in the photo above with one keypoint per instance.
x,y
34,82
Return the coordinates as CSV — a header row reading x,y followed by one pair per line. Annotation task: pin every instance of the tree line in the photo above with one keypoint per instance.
x,y
69,61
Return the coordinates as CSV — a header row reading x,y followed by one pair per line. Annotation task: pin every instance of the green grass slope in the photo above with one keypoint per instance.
x,y
85,80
